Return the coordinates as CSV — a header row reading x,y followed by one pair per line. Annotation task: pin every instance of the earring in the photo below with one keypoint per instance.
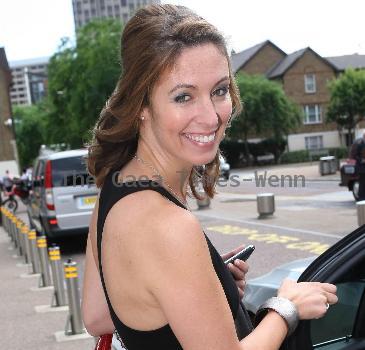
x,y
142,117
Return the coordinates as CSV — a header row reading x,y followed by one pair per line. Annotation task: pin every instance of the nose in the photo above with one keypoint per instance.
x,y
207,115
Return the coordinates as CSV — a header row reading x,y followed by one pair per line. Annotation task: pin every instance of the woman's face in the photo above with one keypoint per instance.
x,y
190,107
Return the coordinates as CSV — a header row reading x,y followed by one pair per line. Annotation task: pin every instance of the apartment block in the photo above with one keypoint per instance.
x,y
8,150
304,76
86,10
29,81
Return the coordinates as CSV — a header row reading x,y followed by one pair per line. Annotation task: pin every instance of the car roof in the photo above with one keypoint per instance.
x,y
65,154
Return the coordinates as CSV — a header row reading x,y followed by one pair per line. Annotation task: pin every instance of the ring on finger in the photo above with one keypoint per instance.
x,y
327,306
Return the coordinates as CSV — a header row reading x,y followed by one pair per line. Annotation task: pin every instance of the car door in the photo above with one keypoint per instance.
x,y
35,202
343,327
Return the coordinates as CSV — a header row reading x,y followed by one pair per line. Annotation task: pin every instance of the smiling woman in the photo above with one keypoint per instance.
x,y
163,284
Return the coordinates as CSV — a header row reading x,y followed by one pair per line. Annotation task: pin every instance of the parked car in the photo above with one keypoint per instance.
x,y
343,327
349,177
62,195
225,168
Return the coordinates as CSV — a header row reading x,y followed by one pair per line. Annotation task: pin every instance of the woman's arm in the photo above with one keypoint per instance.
x,y
180,275
95,311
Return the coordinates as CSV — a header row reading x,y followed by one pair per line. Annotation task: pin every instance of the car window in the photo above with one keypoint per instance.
x,y
338,324
70,172
38,172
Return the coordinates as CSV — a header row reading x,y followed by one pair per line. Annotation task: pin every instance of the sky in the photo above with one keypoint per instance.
x,y
34,28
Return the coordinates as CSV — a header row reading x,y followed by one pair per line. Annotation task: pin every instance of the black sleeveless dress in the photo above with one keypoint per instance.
x,y
162,338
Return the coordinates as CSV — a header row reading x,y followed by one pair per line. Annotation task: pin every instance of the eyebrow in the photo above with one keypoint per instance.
x,y
189,86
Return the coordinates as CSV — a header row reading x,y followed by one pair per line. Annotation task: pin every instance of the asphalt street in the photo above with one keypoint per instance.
x,y
307,220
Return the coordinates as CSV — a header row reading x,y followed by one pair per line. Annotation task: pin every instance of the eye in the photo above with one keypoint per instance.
x,y
221,91
182,98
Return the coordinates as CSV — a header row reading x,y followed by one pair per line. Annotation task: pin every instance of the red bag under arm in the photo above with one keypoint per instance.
x,y
104,342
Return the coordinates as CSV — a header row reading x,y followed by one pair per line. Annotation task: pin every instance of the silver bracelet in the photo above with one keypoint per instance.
x,y
284,307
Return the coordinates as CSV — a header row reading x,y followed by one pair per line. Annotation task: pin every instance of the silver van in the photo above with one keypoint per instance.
x,y
63,194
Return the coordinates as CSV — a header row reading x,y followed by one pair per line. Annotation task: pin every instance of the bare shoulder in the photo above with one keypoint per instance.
x,y
146,221
149,209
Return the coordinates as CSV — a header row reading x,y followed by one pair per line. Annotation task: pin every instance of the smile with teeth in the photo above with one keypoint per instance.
x,y
201,138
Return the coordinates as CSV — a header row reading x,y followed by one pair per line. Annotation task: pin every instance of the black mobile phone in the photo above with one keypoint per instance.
x,y
244,254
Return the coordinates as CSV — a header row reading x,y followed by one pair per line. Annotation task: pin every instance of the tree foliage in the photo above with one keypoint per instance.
x,y
347,102
81,78
30,131
267,111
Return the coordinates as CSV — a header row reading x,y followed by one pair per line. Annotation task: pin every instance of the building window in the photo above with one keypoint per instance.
x,y
123,3
312,114
310,83
314,142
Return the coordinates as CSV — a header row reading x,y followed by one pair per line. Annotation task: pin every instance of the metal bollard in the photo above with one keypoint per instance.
x,y
73,294
57,276
5,216
7,225
19,225
360,206
27,255
265,204
2,216
36,268
43,259
12,231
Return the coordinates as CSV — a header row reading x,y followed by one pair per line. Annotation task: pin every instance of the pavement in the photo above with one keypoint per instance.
x,y
316,216
21,327
310,170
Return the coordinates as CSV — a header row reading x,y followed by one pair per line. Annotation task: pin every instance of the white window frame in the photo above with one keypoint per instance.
x,y
310,86
317,111
309,142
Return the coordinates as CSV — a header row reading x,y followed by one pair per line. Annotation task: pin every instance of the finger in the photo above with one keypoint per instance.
x,y
237,273
240,284
242,265
329,287
227,255
239,248
331,298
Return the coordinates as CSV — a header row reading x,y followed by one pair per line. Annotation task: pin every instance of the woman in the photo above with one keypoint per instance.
x,y
165,284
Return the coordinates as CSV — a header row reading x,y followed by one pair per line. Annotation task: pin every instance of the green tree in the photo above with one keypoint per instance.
x,y
81,78
347,102
267,112
30,131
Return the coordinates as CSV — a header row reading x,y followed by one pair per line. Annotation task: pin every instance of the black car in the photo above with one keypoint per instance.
x,y
343,326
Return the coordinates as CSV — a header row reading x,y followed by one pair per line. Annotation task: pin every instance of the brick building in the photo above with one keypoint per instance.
x,y
304,75
8,152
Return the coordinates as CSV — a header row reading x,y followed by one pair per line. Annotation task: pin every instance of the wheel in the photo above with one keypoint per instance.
x,y
11,204
355,190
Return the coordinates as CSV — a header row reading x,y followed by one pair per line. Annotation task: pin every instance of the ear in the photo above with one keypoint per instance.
x,y
145,114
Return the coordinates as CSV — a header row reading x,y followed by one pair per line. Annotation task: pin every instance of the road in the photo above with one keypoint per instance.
x,y
307,220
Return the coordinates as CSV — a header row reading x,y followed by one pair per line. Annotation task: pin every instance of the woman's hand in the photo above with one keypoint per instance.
x,y
311,298
239,268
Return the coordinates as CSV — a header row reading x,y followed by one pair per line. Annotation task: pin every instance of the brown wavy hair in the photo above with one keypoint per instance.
x,y
151,42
